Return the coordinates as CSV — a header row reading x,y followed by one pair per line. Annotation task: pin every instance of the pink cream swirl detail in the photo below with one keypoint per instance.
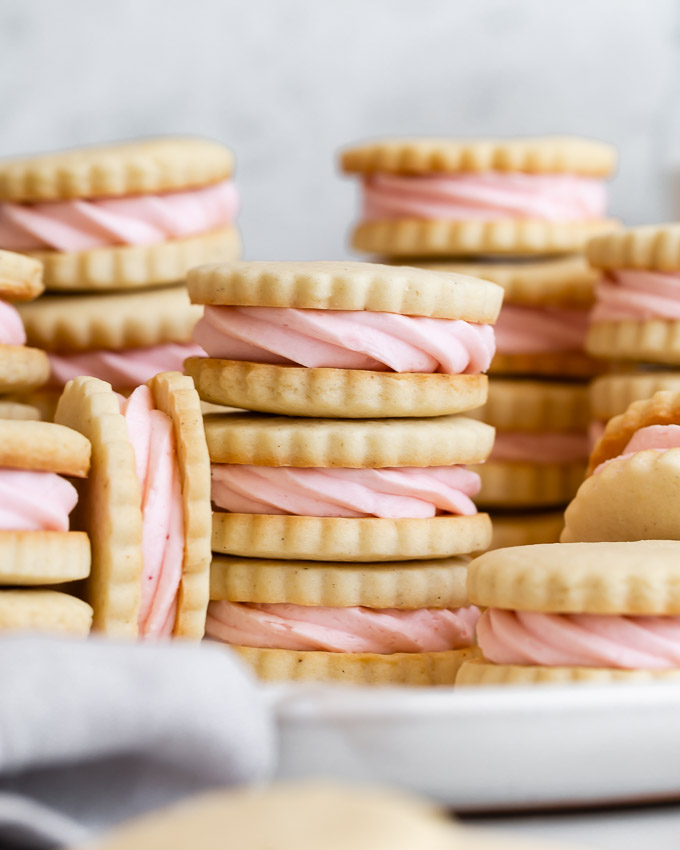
x,y
151,433
345,339
658,438
487,196
627,294
12,330
579,640
539,330
35,501
397,493
301,627
81,225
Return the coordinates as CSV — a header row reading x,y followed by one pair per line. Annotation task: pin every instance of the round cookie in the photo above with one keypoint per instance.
x,y
517,528
20,277
528,405
611,395
479,672
113,513
524,484
44,611
18,409
132,225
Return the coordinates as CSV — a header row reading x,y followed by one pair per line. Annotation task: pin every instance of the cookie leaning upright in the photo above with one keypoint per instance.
x,y
340,339
121,216
146,505
449,197
576,612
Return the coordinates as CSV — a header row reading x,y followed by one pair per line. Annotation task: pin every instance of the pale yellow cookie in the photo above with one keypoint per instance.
x,y
363,539
479,672
562,282
535,406
337,285
611,395
362,668
112,321
523,529
22,369
413,237
43,557
654,247
134,266
44,611
43,402
523,484
11,409
539,155
637,578
437,583
45,447
20,277
253,438
560,364
333,393
651,340
139,167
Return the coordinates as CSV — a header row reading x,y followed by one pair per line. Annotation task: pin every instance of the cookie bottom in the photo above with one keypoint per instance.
x,y
333,393
520,484
44,611
653,340
480,672
43,557
363,668
22,369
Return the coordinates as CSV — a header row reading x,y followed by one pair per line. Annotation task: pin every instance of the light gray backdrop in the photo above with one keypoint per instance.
x,y
287,82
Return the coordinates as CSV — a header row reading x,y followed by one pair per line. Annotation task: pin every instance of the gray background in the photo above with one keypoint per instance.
x,y
288,82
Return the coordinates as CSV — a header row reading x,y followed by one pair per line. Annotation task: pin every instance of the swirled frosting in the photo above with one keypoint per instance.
x,y
405,492
538,330
151,433
484,197
12,330
547,447
80,225
35,501
634,294
122,369
301,627
579,640
345,339
658,438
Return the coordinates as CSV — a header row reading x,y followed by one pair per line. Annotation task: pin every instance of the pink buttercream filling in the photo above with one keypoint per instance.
x,y
579,640
35,501
548,447
345,339
81,225
537,330
151,433
127,368
484,197
12,330
301,627
633,294
658,438
403,492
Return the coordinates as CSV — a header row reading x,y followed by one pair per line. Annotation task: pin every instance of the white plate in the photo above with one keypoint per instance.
x,y
489,748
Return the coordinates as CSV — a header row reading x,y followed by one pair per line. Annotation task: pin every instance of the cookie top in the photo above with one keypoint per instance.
x,y
46,611
137,167
43,447
541,155
663,408
533,406
438,583
611,395
114,321
337,285
560,282
653,247
635,578
20,277
264,440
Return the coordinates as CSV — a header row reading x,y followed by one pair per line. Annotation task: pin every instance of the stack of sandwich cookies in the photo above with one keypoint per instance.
x,y
146,505
632,488
576,612
37,549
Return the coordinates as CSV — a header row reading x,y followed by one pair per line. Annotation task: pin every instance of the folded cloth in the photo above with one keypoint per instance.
x,y
94,732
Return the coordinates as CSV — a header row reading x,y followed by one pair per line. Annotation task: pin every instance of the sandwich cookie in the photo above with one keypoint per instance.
x,y
577,612
127,215
21,369
448,197
408,623
146,505
541,446
339,490
637,312
343,340
632,490
123,338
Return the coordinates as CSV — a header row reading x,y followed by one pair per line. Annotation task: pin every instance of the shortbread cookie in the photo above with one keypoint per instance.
x,y
43,557
611,395
43,447
22,369
11,409
535,406
44,611
653,248
565,607
151,552
655,340
528,484
138,213
444,197
20,277
479,672
517,528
